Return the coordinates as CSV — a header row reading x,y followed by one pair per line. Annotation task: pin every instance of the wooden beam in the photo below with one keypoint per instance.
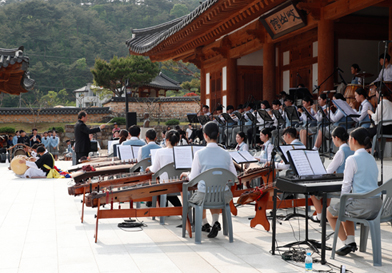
x,y
342,8
314,9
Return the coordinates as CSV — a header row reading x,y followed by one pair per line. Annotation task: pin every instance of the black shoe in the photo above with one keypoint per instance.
x,y
206,227
149,204
214,231
347,249
315,219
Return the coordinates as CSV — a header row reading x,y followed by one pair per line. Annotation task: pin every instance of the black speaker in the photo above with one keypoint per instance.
x,y
131,119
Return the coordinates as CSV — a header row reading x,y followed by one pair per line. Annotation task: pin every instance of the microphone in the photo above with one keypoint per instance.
x,y
299,75
339,69
390,41
221,105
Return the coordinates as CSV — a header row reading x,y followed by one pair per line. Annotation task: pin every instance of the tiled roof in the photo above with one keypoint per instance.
x,y
10,57
54,111
145,39
164,82
162,99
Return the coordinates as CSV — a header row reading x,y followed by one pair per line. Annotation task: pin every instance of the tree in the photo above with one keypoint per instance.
x,y
179,10
114,75
181,68
193,85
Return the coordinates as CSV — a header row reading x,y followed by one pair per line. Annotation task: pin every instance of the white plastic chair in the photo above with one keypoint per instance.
x,y
384,215
215,181
382,137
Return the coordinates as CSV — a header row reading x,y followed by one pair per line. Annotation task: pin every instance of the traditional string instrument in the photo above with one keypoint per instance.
x,y
81,176
98,164
106,181
136,192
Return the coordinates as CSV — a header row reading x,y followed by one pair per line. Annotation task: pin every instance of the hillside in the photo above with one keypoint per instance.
x,y
63,38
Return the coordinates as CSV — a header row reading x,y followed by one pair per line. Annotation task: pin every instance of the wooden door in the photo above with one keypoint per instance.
x,y
250,84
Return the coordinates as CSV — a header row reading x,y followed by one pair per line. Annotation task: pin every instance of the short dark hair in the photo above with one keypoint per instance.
x,y
361,91
229,107
151,134
356,67
34,129
339,96
290,131
323,96
276,102
134,130
241,134
211,129
21,131
239,106
35,146
82,114
219,108
67,141
267,132
386,57
206,106
266,104
40,149
289,98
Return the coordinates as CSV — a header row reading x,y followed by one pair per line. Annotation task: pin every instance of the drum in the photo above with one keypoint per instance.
x,y
372,93
17,167
349,94
18,150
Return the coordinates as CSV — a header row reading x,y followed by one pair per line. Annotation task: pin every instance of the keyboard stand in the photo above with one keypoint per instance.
x,y
310,242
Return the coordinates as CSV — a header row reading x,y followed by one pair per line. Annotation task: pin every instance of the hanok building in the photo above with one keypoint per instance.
x,y
14,78
261,47
158,87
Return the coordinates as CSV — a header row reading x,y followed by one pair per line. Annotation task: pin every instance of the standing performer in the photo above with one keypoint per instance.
x,y
360,176
207,158
387,67
54,144
82,140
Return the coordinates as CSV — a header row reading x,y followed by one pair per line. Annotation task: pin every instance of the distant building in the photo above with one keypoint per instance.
x,y
85,96
158,87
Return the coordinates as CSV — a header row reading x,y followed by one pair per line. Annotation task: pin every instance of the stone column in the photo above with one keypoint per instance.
x,y
325,54
269,92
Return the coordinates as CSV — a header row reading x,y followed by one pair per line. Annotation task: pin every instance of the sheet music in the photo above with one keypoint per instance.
x,y
344,107
153,153
197,148
125,152
183,157
247,156
315,162
285,148
135,150
110,145
301,162
237,157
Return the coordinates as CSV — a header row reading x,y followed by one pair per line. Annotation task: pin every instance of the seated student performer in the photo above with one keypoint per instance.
x,y
134,131
41,167
145,151
264,105
123,136
386,113
339,138
163,157
307,103
360,176
386,71
355,70
267,147
361,97
212,156
290,138
240,139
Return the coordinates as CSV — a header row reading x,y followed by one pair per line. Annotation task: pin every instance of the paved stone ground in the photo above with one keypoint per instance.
x,y
40,231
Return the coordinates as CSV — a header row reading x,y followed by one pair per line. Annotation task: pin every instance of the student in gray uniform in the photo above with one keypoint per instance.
x,y
360,176
212,156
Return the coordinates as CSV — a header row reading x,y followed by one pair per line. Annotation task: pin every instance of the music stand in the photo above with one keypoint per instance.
x,y
228,120
218,119
254,120
203,119
292,114
241,119
308,117
265,117
347,111
299,93
280,120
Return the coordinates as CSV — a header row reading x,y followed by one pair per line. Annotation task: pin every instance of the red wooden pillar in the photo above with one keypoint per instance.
x,y
325,54
269,92
231,79
202,86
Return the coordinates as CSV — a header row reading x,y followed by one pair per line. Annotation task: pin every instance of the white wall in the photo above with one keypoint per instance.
x,y
254,59
364,53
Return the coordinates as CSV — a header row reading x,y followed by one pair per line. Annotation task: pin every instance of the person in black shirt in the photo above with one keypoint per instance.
x,y
35,138
23,138
82,140
37,169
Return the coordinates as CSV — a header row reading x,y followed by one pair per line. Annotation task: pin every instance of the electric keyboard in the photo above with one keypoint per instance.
x,y
310,184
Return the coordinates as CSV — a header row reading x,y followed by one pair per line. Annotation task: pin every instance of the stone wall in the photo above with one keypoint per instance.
x,y
158,108
66,114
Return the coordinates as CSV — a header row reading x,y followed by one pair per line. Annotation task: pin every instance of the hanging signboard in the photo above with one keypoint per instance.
x,y
283,19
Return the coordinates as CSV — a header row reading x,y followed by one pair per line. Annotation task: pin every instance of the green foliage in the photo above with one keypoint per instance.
x,y
179,10
113,75
7,130
58,129
172,122
119,120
